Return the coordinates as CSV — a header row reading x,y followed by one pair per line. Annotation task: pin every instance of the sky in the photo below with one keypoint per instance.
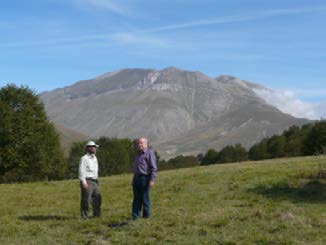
x,y
280,44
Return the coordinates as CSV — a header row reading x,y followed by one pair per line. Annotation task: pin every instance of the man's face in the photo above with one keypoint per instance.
x,y
142,144
91,149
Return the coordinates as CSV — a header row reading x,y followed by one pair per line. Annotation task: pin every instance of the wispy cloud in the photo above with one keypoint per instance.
x,y
140,39
55,41
235,18
143,36
288,102
115,39
111,5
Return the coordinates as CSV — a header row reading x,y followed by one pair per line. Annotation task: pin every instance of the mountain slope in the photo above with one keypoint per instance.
x,y
69,136
179,111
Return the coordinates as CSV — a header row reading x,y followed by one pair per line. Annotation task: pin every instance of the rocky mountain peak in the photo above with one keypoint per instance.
x,y
225,78
181,112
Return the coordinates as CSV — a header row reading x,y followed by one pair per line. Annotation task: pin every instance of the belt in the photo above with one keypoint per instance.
x,y
142,175
91,179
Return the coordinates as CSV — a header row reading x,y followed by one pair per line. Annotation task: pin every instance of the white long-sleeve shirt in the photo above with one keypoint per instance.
x,y
88,168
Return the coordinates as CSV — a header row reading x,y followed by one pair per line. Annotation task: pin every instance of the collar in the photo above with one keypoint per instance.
x,y
143,151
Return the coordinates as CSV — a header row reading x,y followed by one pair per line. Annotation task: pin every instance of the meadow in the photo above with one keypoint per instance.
x,y
265,202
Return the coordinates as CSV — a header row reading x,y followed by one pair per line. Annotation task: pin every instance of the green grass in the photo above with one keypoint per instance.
x,y
267,202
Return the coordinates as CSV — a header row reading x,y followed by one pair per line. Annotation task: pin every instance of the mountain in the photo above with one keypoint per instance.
x,y
68,137
181,112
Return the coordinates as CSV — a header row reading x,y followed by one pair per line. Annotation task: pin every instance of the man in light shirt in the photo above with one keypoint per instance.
x,y
88,175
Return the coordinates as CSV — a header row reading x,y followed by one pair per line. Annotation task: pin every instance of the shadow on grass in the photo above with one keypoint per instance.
x,y
42,217
118,224
311,192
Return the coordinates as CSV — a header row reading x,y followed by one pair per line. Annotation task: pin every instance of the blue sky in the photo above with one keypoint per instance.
x,y
280,44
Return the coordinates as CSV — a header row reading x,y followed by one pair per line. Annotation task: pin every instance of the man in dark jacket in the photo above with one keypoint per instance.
x,y
145,172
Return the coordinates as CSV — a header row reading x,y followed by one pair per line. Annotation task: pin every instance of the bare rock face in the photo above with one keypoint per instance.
x,y
181,112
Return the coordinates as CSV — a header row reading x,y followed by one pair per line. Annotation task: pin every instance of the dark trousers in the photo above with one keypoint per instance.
x,y
90,195
141,200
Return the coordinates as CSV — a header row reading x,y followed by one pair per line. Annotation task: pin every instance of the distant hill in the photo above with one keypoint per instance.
x,y
69,136
181,112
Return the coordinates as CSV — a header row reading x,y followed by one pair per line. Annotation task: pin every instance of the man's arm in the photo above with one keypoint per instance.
x,y
153,168
82,172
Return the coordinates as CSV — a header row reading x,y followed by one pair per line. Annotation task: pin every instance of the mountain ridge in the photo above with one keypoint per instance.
x,y
187,110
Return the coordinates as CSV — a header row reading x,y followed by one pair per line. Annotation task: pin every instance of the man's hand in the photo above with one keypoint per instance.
x,y
151,183
85,185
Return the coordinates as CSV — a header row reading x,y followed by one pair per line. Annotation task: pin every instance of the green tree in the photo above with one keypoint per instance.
x,y
115,156
294,141
29,145
225,155
240,153
210,157
76,151
276,146
315,142
259,150
232,153
179,162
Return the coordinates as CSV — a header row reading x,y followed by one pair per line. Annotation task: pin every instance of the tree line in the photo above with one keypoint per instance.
x,y
310,139
30,148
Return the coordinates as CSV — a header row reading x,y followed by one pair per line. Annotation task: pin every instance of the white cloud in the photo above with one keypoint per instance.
x,y
140,39
288,102
236,18
56,41
121,38
138,35
111,5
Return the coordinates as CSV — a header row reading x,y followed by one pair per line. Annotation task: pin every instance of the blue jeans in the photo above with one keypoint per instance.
x,y
141,200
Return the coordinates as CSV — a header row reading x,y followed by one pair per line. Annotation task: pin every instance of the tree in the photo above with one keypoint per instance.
x,y
76,151
276,146
259,151
200,157
315,143
225,155
310,139
294,141
29,145
210,157
240,153
232,153
179,162
115,156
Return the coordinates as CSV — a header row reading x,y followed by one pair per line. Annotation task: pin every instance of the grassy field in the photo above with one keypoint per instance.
x,y
267,202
